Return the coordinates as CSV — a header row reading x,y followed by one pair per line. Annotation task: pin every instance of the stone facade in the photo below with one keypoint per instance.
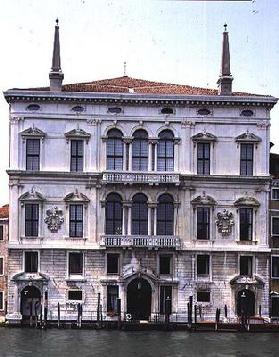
x,y
4,233
212,270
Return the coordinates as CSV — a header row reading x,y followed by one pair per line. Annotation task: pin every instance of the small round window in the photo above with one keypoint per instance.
x,y
114,110
247,113
167,110
78,109
203,111
33,107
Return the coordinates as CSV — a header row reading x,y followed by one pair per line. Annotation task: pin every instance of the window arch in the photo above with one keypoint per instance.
x,y
114,215
139,214
115,150
165,153
165,215
140,150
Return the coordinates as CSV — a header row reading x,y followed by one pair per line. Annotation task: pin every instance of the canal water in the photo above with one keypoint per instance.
x,y
85,343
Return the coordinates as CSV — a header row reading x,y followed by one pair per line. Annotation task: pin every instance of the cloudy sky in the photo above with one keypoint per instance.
x,y
164,40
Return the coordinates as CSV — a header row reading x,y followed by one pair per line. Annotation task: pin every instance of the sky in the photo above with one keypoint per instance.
x,y
163,40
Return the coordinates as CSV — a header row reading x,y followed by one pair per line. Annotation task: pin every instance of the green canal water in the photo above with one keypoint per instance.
x,y
85,343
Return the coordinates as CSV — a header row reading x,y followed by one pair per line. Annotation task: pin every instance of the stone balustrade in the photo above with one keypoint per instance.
x,y
141,241
140,177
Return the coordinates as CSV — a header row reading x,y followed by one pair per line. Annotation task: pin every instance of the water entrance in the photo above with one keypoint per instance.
x,y
30,302
139,299
246,303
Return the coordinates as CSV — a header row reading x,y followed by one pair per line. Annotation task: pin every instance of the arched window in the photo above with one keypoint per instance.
x,y
165,153
140,214
165,213
140,151
114,150
113,214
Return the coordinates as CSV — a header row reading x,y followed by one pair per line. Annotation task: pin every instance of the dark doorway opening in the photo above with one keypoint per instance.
x,y
30,302
246,303
139,299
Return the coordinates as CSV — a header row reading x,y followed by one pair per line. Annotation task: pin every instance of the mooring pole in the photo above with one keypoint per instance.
x,y
98,307
190,311
58,315
119,312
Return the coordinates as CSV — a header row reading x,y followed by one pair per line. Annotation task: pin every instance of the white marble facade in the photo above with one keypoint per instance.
x,y
233,265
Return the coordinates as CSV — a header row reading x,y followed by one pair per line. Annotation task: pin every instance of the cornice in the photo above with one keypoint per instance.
x,y
15,95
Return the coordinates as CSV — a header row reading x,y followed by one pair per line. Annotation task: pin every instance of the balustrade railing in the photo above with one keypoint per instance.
x,y
140,241
140,177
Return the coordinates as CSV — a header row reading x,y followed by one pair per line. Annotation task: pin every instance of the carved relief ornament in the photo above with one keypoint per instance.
x,y
54,219
224,222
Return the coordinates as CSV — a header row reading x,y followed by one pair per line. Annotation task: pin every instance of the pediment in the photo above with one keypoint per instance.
x,y
204,137
76,197
204,200
247,280
32,196
22,276
33,132
247,201
248,137
77,134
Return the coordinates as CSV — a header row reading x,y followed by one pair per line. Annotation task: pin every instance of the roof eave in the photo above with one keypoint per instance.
x,y
14,95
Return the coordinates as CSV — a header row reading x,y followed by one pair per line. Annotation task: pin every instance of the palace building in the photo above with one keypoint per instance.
x,y
139,190
4,234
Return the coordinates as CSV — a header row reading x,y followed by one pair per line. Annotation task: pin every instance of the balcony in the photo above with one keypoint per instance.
x,y
141,241
140,177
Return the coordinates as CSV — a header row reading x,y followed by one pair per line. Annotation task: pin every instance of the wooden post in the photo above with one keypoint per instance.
x,y
119,312
58,315
98,307
226,311
190,320
195,313
260,310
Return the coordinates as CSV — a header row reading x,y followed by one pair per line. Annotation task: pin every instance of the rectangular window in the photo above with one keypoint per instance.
x,y
202,265
165,299
75,295
246,159
203,158
112,295
33,154
31,219
203,226
1,233
31,262
275,226
246,223
203,296
76,155
275,267
275,194
1,300
246,265
75,263
165,264
112,263
1,266
275,306
76,221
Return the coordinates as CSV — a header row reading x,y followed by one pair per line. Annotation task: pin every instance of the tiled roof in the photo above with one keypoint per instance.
x,y
4,211
127,84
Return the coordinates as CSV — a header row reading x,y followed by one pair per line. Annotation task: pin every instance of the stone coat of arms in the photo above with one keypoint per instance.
x,y
224,222
54,219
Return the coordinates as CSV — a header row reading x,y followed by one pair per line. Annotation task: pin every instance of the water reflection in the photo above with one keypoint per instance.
x,y
85,343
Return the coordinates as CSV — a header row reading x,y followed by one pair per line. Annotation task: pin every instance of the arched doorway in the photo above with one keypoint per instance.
x,y
246,302
139,299
30,302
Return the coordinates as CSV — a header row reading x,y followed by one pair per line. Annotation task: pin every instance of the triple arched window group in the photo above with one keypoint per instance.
x,y
140,151
139,214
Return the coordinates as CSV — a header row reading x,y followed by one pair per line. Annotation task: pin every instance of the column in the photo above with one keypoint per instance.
x,y
129,221
176,156
124,216
175,218
127,157
152,218
155,154
150,155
